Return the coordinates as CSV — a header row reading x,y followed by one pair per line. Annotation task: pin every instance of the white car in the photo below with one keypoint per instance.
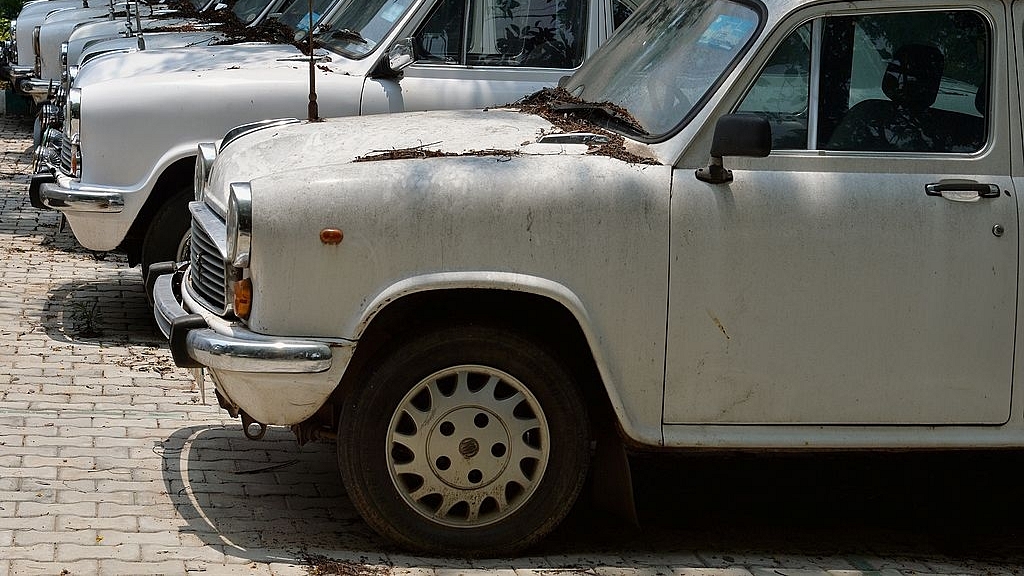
x,y
128,189
18,58
740,225
48,34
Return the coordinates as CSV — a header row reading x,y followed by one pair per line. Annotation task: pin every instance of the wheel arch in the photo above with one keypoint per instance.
x,y
178,173
537,308
534,306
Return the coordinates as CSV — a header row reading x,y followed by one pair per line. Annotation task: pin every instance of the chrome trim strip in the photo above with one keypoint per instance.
x,y
238,353
241,130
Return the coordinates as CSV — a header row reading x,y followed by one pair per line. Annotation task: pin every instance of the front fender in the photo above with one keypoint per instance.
x,y
93,31
132,130
591,232
56,31
494,280
33,15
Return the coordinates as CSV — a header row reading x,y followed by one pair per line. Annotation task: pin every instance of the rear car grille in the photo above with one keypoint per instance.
x,y
207,275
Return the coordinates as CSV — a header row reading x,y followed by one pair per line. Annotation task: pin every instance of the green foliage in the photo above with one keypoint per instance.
x,y
9,10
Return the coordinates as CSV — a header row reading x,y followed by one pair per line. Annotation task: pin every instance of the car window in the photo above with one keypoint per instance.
x,y
781,92
535,33
440,38
910,82
622,9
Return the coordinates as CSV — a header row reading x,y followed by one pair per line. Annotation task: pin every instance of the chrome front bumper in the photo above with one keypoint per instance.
x,y
59,195
194,343
14,73
38,88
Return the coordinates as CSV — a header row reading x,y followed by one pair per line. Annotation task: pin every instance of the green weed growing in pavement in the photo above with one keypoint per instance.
x,y
83,317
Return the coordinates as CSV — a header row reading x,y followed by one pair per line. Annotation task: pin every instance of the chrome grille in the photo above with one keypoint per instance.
x,y
65,155
207,273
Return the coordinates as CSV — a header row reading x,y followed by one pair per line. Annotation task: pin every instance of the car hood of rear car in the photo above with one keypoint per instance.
x,y
194,59
153,41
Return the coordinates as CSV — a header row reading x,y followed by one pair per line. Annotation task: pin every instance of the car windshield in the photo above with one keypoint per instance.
x,y
666,59
360,25
296,16
247,10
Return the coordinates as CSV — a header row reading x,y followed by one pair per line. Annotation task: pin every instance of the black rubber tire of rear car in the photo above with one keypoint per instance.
x,y
492,441
167,236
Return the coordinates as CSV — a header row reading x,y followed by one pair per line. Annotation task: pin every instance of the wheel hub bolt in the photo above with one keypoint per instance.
x,y
469,448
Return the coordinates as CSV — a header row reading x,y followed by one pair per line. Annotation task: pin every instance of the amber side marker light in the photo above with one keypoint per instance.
x,y
243,298
331,236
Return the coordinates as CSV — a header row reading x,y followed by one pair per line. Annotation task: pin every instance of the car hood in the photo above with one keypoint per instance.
x,y
107,27
153,40
303,146
195,58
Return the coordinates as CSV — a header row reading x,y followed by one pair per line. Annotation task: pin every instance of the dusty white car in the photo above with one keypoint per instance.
x,y
743,225
48,35
17,60
129,189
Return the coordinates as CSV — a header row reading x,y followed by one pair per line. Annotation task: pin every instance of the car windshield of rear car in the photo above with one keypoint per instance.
x,y
358,26
666,59
296,16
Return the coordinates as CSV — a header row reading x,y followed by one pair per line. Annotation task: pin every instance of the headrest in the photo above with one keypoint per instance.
x,y
912,78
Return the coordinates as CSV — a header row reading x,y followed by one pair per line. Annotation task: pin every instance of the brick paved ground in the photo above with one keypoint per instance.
x,y
110,463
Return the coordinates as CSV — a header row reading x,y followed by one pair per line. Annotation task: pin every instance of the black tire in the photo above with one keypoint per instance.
x,y
419,379
167,236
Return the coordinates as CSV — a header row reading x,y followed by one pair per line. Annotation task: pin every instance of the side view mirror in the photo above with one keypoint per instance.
x,y
736,135
400,56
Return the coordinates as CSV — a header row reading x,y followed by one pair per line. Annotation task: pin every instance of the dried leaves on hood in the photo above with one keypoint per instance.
x,y
226,24
571,114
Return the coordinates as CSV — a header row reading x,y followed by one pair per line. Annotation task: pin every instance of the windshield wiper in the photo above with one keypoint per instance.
x,y
344,34
610,112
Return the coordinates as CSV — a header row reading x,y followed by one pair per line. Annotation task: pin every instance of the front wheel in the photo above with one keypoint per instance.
x,y
168,235
465,440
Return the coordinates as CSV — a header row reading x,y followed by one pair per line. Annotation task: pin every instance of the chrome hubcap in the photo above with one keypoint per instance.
x,y
468,446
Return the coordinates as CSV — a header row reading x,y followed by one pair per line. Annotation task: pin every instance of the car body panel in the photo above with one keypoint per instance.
x,y
820,299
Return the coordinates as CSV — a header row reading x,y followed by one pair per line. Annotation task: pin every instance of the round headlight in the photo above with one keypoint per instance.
x,y
239,223
204,162
73,112
75,103
37,62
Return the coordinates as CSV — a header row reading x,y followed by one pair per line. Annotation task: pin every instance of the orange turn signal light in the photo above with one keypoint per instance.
x,y
331,236
243,298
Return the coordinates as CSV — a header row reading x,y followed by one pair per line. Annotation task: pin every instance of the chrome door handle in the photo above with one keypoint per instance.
x,y
960,191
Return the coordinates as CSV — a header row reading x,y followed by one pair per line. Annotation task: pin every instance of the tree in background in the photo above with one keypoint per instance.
x,y
9,10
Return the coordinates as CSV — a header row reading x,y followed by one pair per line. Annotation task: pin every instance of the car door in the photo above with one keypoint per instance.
x,y
476,53
866,271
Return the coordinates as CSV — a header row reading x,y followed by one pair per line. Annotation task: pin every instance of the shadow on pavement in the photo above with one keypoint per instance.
x,y
271,501
100,313
265,500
